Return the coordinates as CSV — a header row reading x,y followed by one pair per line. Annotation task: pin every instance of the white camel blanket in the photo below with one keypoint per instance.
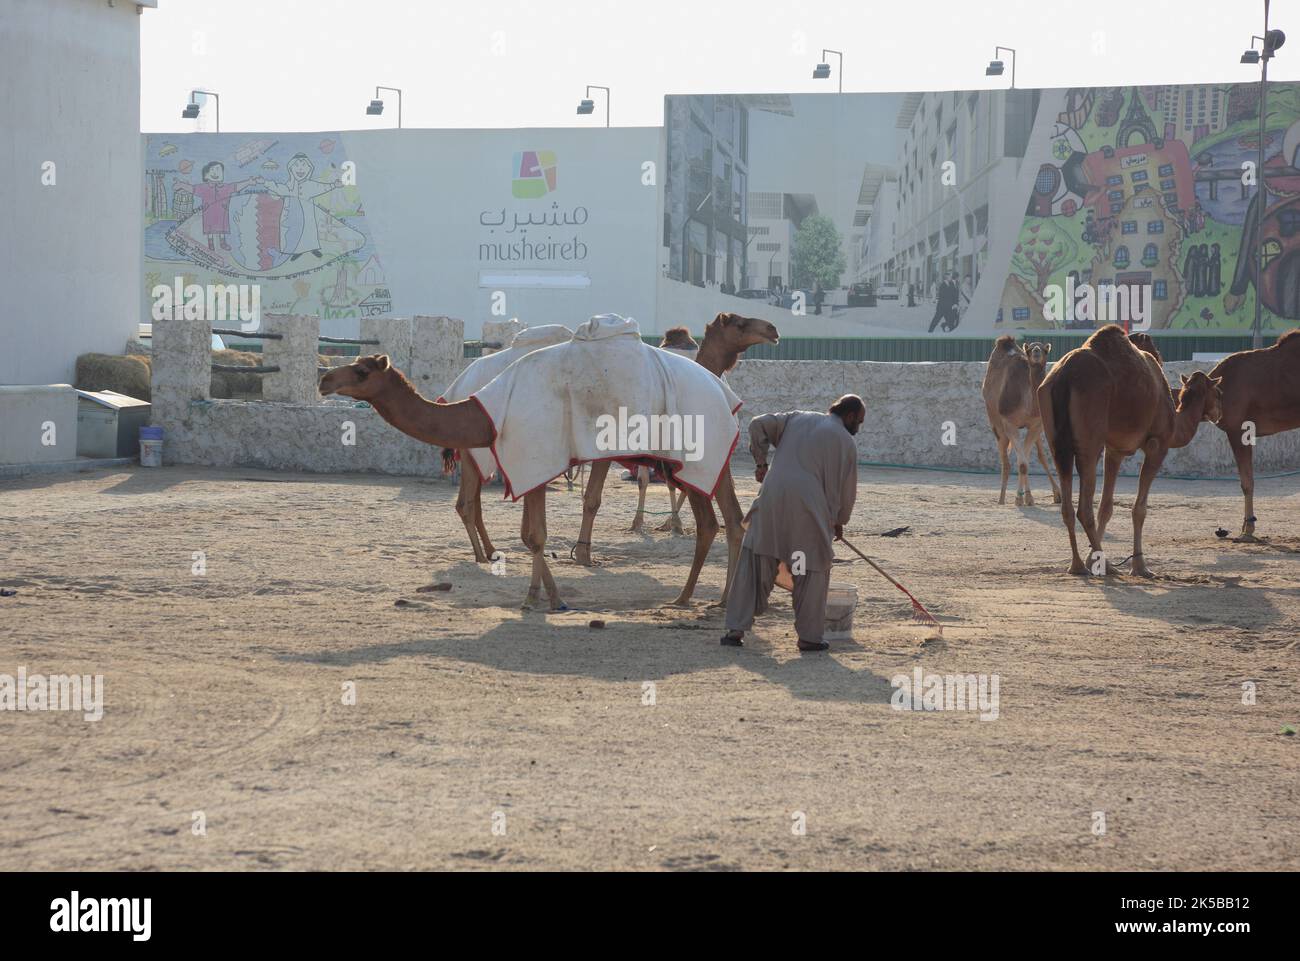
x,y
479,373
605,395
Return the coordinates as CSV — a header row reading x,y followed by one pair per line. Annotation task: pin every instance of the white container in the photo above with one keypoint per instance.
x,y
841,601
151,453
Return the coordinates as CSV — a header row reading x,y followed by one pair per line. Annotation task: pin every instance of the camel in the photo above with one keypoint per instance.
x,y
465,425
1110,395
725,339
1010,392
679,341
1260,387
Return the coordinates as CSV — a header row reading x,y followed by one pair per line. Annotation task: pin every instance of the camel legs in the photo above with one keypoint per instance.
x,y
1024,497
706,528
1042,459
1113,460
642,482
1087,461
1003,443
590,505
1244,455
533,533
1155,456
730,508
470,508
675,501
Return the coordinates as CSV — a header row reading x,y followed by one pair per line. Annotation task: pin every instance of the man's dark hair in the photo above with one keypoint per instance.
x,y
209,165
848,405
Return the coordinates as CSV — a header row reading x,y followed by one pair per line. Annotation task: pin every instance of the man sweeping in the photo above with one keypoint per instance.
x,y
807,498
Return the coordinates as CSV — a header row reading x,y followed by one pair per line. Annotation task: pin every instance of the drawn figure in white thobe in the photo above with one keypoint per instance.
x,y
299,231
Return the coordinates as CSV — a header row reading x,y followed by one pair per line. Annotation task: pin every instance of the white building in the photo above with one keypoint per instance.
x,y
774,218
70,112
959,159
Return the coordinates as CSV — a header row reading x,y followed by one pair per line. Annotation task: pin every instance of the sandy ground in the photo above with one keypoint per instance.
x,y
224,692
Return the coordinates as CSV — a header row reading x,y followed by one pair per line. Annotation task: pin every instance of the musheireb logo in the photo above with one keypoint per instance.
x,y
534,174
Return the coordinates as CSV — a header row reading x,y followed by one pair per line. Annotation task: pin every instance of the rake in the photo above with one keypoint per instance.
x,y
919,613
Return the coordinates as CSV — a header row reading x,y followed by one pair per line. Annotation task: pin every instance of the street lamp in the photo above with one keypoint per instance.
x,y
823,70
994,69
1271,41
376,106
587,105
191,111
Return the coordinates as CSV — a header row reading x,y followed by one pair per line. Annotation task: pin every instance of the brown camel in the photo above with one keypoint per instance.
x,y
1260,388
1109,395
725,339
680,341
464,425
1010,392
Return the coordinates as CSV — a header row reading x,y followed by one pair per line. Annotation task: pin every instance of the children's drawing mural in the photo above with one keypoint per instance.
x,y
275,211
1154,189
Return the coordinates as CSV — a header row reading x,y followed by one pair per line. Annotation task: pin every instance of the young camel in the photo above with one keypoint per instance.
x,y
1260,387
1110,395
679,341
725,339
465,425
1010,391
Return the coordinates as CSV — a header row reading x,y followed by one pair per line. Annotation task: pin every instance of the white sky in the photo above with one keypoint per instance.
x,y
283,65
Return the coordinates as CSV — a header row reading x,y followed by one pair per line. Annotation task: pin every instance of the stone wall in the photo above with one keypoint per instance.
x,y
909,404
910,407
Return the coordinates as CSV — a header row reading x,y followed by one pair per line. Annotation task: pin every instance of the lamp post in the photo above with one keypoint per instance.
x,y
191,111
823,70
587,105
994,69
376,106
1270,42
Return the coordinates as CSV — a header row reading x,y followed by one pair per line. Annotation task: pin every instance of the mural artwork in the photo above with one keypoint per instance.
x,y
1154,187
276,211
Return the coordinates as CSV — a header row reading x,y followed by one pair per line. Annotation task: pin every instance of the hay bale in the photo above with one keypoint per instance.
x,y
125,374
226,385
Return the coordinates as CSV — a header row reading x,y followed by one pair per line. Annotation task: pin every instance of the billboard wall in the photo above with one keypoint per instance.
x,y
550,226
984,211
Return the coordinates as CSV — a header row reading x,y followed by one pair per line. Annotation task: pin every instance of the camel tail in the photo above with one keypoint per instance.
x,y
1056,423
448,459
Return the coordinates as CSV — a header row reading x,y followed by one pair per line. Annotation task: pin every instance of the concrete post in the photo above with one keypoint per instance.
x,y
437,346
295,354
501,332
181,367
394,336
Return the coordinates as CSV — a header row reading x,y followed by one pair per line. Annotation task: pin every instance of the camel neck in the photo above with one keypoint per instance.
x,y
462,425
714,359
1187,420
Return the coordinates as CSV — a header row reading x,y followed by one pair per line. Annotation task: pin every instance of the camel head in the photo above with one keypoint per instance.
x,y
361,380
1036,353
736,333
1205,390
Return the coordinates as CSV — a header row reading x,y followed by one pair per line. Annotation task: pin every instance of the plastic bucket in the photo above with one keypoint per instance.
x,y
151,440
841,601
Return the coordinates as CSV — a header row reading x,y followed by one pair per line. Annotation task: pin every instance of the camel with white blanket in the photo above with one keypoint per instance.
x,y
566,404
725,338
469,504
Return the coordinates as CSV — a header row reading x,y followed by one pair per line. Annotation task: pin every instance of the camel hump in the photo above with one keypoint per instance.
x,y
1110,341
1005,344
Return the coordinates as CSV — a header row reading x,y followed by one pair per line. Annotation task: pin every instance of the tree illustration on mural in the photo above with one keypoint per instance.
x,y
1044,249
817,253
